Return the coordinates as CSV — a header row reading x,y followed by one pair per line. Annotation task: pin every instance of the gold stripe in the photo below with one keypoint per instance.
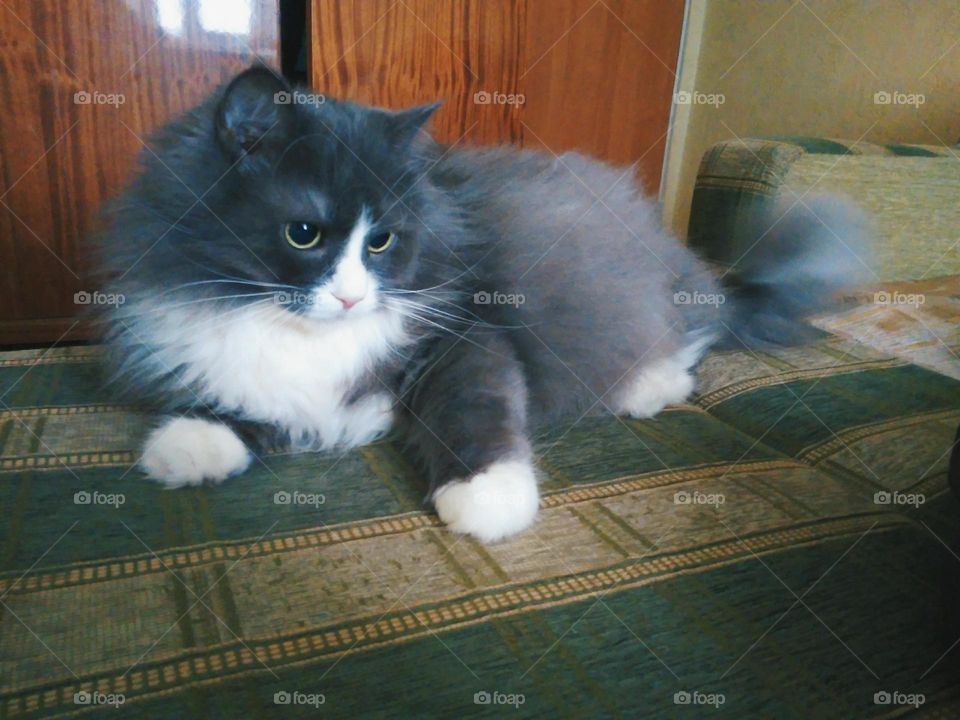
x,y
85,459
659,478
93,459
52,359
196,555
731,183
213,665
817,452
48,410
725,393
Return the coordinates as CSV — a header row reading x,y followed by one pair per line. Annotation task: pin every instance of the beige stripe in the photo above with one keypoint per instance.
x,y
728,183
52,359
72,460
48,410
88,460
659,478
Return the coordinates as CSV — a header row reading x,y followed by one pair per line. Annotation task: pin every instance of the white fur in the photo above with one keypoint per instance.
x,y
351,280
660,383
187,451
275,367
367,419
498,502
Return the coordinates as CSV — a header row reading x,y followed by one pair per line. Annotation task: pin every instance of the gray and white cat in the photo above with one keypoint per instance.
x,y
318,274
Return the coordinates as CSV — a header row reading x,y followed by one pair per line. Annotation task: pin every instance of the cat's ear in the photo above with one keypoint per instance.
x,y
255,103
405,124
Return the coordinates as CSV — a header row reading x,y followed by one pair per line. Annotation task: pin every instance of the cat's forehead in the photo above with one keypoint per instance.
x,y
330,198
351,136
337,175
345,156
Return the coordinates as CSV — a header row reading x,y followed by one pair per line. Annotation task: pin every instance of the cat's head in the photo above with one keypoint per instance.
x,y
337,188
323,203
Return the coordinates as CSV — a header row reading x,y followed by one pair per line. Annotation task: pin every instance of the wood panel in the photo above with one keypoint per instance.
x,y
81,84
594,75
397,54
599,77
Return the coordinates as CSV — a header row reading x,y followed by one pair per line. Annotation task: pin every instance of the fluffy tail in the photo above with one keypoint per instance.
x,y
805,256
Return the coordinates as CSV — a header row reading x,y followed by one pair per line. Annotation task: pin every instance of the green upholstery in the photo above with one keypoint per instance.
x,y
205,602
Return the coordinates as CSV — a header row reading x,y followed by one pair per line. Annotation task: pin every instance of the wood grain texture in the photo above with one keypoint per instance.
x,y
397,54
595,76
599,78
82,83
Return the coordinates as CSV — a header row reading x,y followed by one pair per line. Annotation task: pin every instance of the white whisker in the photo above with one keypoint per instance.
x,y
165,308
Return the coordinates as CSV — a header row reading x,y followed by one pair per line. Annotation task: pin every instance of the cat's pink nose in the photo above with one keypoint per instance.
x,y
348,302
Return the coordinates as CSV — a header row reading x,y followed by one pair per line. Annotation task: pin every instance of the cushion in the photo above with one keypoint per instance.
x,y
909,191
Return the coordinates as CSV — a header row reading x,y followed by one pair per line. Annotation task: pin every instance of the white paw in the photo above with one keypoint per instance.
x,y
187,451
653,388
500,501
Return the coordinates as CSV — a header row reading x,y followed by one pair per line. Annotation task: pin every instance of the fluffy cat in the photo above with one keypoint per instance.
x,y
318,274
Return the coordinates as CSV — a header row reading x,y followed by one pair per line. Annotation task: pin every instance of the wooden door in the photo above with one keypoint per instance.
x,y
82,83
591,75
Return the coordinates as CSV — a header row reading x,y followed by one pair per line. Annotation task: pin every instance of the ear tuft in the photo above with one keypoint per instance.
x,y
254,102
405,124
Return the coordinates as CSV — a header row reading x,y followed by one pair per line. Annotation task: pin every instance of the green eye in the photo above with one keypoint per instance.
x,y
381,243
301,235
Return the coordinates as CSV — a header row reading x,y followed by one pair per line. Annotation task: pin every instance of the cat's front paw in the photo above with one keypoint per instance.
x,y
494,504
187,451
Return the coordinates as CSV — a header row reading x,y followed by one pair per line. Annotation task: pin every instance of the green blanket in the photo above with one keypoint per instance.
x,y
784,546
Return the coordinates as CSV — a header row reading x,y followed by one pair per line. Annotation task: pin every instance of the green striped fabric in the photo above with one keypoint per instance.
x,y
782,546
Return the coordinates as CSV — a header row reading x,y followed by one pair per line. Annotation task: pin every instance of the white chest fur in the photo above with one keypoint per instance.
x,y
274,367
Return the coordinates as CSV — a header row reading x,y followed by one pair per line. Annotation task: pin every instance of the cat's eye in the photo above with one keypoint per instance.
x,y
301,235
381,243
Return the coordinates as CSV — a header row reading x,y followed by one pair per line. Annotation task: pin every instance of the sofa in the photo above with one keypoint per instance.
x,y
783,545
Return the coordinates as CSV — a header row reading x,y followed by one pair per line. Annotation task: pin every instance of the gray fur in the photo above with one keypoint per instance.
x,y
576,238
